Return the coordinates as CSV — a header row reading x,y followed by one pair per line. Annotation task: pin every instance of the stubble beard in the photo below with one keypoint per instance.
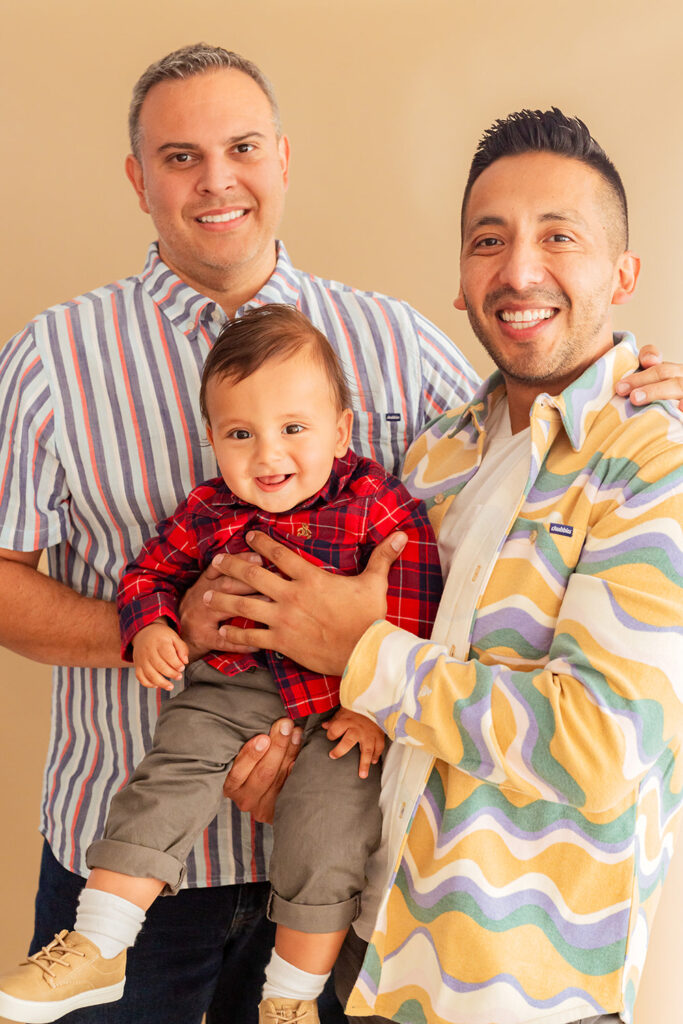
x,y
531,365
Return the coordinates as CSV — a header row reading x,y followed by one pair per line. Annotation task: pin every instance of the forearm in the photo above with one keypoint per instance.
x,y
48,622
580,730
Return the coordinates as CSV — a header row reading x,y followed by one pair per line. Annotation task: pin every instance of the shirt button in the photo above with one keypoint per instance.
x,y
439,498
278,655
217,316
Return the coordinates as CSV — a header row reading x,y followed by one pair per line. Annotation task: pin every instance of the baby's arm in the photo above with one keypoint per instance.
x,y
354,728
159,655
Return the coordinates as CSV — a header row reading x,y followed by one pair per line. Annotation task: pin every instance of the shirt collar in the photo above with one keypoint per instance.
x,y
185,307
342,471
282,285
579,403
585,398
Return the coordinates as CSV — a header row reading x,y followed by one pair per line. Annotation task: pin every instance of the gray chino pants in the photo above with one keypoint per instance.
x,y
327,819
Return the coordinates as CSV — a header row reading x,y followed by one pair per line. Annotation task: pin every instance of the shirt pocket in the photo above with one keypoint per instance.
x,y
549,551
382,436
522,600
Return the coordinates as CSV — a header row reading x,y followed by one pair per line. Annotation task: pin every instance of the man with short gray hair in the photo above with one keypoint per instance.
x,y
103,395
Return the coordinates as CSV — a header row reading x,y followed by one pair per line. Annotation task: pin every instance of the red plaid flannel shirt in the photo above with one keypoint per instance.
x,y
336,528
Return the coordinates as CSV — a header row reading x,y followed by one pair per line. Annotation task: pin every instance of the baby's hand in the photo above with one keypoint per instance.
x,y
355,729
159,655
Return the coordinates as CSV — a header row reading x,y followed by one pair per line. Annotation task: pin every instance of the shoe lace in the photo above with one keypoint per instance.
x,y
286,1016
53,953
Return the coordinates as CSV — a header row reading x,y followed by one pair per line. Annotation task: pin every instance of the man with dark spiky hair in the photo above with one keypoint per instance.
x,y
532,791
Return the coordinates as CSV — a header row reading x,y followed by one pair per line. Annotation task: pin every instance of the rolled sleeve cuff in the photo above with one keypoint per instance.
x,y
376,672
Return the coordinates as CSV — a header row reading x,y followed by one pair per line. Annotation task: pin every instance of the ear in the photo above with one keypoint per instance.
x,y
283,150
626,276
209,435
136,178
344,424
459,300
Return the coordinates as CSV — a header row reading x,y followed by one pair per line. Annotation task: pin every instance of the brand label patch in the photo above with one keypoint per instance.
x,y
566,531
393,417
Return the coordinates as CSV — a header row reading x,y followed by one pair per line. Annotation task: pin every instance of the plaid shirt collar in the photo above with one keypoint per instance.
x,y
186,308
342,471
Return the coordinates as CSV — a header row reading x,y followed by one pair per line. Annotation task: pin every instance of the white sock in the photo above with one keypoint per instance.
x,y
285,981
109,921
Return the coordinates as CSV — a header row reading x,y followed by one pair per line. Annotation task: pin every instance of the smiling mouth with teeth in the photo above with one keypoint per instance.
x,y
525,316
221,218
273,481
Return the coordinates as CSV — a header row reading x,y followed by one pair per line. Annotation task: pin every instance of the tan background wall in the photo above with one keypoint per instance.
x,y
384,101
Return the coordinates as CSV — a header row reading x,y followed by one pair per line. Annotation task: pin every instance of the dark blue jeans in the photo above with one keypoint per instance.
x,y
202,951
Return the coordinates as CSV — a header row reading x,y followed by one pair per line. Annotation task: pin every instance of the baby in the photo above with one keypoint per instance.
x,y
277,414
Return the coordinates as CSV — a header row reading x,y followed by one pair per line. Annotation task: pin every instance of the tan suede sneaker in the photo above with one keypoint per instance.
x,y
67,973
288,1011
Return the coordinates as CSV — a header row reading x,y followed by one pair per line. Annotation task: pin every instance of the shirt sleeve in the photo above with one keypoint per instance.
x,y
152,584
34,496
448,379
415,579
607,704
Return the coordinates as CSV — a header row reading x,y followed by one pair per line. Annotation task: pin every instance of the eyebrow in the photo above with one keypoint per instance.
x,y
490,220
233,141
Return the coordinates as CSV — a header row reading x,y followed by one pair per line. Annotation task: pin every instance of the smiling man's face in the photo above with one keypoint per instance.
x,y
212,173
539,269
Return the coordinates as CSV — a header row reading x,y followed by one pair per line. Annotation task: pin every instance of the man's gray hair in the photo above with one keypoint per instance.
x,y
185,63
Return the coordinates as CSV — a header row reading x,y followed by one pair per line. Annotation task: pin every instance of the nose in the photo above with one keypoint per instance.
x,y
217,174
268,450
521,265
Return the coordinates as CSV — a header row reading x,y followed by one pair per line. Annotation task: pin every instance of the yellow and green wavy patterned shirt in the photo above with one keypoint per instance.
x,y
544,770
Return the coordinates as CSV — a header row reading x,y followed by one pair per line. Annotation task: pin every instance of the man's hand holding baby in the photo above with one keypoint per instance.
x,y
200,622
302,618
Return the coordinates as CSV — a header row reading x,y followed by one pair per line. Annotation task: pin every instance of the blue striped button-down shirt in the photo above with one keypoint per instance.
x,y
102,438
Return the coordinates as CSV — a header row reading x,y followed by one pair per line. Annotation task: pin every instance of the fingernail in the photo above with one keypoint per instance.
x,y
261,744
623,388
256,559
286,728
217,560
638,396
296,738
206,598
398,543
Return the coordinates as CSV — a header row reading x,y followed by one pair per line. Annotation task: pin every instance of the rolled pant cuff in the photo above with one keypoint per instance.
x,y
138,861
313,919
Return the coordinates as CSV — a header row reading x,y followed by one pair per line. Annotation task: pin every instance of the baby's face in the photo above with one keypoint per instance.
x,y
276,433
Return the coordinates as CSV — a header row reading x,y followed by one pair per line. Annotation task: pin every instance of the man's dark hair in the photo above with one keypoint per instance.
x,y
273,331
545,131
